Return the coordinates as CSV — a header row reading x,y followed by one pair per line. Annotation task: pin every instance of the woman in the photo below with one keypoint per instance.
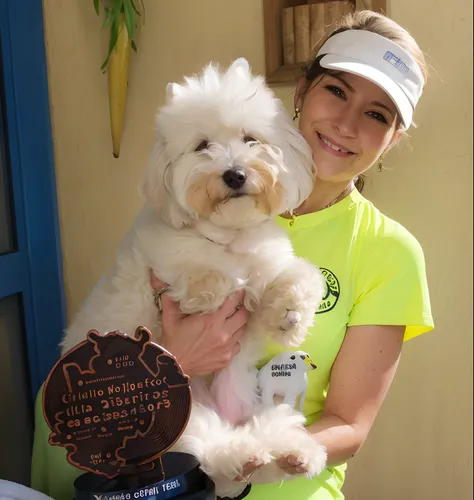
x,y
354,103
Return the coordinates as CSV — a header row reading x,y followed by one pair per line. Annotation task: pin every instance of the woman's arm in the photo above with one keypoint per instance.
x,y
360,379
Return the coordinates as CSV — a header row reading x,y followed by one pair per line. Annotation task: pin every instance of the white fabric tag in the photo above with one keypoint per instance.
x,y
285,377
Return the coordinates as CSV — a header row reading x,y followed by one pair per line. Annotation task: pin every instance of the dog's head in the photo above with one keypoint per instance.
x,y
226,151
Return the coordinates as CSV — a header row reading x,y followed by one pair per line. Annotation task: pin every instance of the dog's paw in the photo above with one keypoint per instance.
x,y
285,313
286,317
225,462
281,431
290,302
205,290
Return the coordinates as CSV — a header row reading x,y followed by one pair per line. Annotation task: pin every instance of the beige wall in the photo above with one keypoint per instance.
x,y
420,447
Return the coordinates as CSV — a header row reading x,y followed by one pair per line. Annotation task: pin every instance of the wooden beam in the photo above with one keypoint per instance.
x,y
375,5
272,18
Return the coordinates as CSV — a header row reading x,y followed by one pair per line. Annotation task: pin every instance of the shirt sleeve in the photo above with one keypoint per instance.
x,y
51,473
391,286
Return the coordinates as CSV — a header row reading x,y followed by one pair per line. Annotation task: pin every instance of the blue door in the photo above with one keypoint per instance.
x,y
32,312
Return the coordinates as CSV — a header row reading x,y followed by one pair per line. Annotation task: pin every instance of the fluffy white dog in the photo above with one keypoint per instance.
x,y
227,160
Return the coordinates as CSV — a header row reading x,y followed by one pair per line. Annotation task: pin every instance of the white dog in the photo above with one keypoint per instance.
x,y
227,160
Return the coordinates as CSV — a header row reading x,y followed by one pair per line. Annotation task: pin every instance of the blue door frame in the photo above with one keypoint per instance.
x,y
35,269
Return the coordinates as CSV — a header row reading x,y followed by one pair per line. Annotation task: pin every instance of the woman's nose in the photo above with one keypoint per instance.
x,y
347,123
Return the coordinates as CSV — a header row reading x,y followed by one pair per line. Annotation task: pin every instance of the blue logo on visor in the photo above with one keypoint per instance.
x,y
396,61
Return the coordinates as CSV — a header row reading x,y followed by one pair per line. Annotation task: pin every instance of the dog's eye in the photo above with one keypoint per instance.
x,y
302,357
292,357
250,139
204,144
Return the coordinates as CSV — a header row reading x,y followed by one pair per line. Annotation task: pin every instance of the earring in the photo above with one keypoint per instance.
x,y
297,114
380,163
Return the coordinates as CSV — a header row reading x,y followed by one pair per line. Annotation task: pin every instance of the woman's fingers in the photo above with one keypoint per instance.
x,y
230,309
169,308
156,283
248,469
231,312
237,320
170,312
291,465
232,303
236,349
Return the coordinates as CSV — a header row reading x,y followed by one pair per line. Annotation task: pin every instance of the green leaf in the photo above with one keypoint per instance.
x,y
113,10
137,12
108,18
116,9
129,18
114,30
104,64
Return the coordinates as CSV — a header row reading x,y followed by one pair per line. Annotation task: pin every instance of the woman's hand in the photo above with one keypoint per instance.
x,y
202,343
291,465
248,469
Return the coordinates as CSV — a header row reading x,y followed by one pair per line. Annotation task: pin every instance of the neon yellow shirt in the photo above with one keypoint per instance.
x,y
375,274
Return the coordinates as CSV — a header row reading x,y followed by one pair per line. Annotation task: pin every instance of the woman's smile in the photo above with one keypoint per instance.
x,y
333,147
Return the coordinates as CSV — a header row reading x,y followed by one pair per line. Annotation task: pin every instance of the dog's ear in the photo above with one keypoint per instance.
x,y
173,90
299,175
155,186
240,67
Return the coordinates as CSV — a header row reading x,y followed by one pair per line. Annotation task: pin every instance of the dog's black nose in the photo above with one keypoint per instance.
x,y
234,178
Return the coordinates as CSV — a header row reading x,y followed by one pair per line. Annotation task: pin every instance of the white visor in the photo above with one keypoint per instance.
x,y
381,61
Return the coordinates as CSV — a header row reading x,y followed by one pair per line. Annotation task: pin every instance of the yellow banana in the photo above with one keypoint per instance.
x,y
118,81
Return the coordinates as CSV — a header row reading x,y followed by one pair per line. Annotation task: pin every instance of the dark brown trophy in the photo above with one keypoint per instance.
x,y
117,404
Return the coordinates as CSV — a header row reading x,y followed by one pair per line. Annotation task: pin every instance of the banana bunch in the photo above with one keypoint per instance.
x,y
120,16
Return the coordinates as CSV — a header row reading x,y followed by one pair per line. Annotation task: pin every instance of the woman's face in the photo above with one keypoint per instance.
x,y
348,121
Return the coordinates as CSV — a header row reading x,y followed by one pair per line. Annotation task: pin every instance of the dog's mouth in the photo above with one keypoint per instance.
x,y
233,194
238,194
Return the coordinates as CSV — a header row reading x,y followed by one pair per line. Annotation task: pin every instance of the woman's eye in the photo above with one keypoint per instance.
x,y
336,91
204,144
250,139
378,116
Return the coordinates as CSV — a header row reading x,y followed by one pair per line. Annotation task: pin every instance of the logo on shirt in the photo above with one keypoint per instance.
x,y
333,290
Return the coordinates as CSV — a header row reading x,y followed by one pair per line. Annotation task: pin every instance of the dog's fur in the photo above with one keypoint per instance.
x,y
207,240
